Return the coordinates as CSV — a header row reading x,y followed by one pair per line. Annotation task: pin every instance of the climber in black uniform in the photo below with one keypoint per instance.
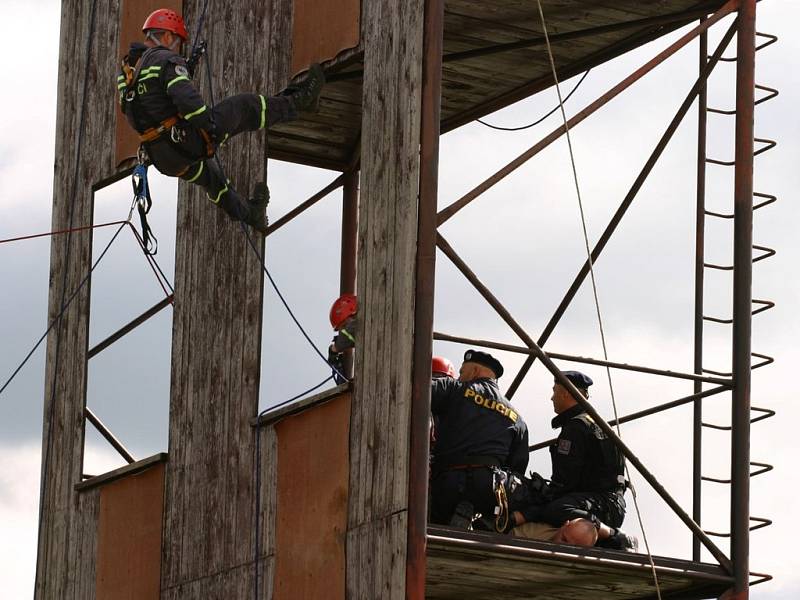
x,y
180,133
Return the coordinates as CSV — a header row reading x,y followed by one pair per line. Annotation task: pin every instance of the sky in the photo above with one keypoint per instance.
x,y
524,240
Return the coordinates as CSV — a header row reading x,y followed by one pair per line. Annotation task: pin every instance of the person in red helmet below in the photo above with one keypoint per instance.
x,y
180,133
478,431
343,317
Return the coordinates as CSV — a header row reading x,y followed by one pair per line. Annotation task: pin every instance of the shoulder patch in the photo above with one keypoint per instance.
x,y
564,446
181,70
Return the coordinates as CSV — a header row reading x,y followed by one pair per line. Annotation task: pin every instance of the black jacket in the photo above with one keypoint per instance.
x,y
475,420
162,89
584,459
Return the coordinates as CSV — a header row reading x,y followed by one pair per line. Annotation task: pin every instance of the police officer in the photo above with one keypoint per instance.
x,y
477,429
588,472
180,133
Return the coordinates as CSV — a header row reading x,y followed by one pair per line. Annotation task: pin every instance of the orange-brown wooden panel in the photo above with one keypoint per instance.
x,y
129,537
132,16
323,28
311,521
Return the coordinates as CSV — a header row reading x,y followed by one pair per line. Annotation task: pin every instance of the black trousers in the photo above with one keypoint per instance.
x,y
448,488
609,508
232,116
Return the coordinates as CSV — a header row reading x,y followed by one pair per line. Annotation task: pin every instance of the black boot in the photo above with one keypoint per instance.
x,y
257,213
305,94
463,515
620,541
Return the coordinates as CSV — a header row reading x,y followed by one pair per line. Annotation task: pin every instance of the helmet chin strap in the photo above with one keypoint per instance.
x,y
150,35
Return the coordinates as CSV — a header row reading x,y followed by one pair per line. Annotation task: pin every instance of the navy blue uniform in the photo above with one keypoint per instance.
x,y
476,428
588,474
163,88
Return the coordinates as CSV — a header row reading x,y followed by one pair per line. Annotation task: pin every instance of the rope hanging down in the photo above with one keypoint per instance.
x,y
594,287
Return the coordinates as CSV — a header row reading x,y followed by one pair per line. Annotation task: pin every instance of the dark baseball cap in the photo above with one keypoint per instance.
x,y
485,359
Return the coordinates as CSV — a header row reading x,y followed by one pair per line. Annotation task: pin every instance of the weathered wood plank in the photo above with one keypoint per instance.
x,y
209,521
67,529
379,436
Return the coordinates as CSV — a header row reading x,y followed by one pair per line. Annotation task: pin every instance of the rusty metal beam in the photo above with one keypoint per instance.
x,y
742,298
106,433
696,397
624,206
459,204
430,117
569,386
584,360
300,208
699,278
150,312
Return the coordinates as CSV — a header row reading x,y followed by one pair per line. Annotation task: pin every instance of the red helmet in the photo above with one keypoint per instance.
x,y
166,20
442,367
345,307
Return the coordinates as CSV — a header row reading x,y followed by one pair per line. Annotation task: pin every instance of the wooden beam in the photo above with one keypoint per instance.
x,y
379,433
210,491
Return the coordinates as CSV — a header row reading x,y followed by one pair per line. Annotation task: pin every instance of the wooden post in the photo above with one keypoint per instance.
x,y
380,421
209,500
65,556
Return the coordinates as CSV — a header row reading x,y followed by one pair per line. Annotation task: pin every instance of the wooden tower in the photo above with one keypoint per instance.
x,y
201,521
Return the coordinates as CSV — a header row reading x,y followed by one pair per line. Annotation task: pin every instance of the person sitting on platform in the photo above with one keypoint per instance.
x,y
477,429
588,479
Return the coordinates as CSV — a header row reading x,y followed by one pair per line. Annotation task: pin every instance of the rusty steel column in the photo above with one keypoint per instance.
x,y
699,272
349,257
423,314
742,297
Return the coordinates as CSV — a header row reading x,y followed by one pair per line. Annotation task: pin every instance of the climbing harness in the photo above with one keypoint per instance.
x,y
594,288
141,197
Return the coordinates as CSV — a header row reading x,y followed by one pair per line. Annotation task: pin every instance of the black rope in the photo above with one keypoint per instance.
x,y
42,548
257,477
288,308
258,254
577,85
63,310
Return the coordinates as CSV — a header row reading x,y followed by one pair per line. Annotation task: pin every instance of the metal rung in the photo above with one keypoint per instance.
x,y
763,577
766,252
769,200
765,305
767,413
763,468
768,145
767,360
761,523
771,93
771,39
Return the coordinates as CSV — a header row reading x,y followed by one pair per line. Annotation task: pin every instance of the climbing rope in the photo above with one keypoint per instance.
x,y
594,288
64,308
542,119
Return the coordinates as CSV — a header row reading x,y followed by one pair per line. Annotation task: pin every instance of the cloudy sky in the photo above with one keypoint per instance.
x,y
524,240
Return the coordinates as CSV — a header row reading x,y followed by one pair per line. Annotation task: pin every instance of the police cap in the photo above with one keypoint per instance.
x,y
578,379
485,359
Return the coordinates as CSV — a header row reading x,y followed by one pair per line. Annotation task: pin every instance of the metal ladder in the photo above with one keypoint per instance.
x,y
761,200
